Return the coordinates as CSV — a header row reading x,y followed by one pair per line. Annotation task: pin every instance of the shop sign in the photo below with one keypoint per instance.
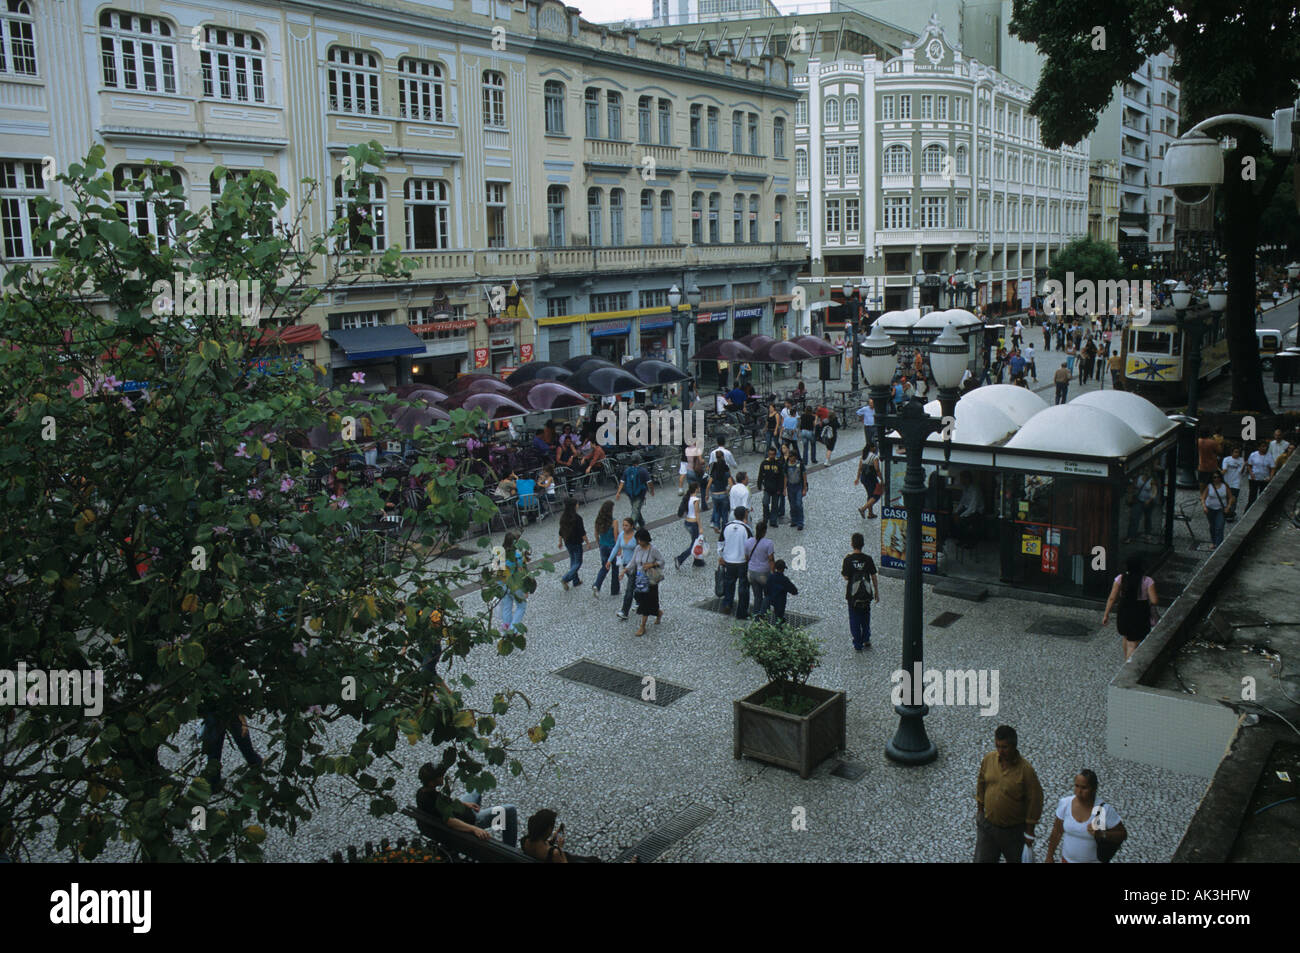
x,y
893,539
481,357
746,313
525,353
711,317
1076,467
1031,545
1051,560
507,341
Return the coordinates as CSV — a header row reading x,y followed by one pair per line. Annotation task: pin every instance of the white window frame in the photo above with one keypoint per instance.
x,y
421,93
233,66
18,40
353,81
494,99
852,164
145,44
21,184
376,209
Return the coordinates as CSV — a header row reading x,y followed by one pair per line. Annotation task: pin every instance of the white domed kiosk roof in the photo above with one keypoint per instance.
x,y
899,320
1018,403
1139,413
1076,428
956,317
975,423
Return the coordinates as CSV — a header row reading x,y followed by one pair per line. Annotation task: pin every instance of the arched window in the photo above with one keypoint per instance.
x,y
353,79
647,217
233,66
932,160
801,163
831,112
753,218
554,99
556,227
595,211
898,160
428,214
963,161
361,214
644,111
666,218
147,216
494,98
851,109
137,52
17,40
420,90
616,216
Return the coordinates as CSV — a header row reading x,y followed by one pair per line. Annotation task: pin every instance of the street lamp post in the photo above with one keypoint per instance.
x,y
684,318
855,316
1191,324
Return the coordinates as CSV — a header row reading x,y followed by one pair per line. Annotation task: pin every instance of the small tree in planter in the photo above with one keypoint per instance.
x,y
787,722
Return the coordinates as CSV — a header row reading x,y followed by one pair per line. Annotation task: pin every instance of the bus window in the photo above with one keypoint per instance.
x,y
1178,343
1153,342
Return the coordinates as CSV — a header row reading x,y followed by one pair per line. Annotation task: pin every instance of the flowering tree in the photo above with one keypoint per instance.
x,y
161,525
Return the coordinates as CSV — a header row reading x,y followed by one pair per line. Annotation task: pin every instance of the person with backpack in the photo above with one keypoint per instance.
x,y
735,559
859,571
1136,595
637,482
720,485
869,477
771,480
796,484
1087,832
828,432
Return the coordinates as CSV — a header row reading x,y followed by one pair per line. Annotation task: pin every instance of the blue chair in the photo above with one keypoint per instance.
x,y
528,501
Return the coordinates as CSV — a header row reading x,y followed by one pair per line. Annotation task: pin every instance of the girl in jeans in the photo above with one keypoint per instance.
x,y
573,536
605,540
692,524
1216,501
807,440
515,602
621,557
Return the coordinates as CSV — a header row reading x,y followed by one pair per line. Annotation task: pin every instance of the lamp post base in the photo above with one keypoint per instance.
x,y
910,744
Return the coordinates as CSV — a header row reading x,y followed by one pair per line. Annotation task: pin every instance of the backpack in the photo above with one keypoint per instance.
x,y
860,591
633,482
719,472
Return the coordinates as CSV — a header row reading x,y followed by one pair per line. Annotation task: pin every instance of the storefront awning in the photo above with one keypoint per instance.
x,y
611,329
1133,232
292,334
656,325
389,340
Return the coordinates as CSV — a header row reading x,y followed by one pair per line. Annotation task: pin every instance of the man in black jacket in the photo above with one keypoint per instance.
x,y
771,480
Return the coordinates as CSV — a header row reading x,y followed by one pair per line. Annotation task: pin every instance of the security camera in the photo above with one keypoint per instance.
x,y
1192,167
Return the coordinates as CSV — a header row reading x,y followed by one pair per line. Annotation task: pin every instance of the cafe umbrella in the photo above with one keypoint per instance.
x,y
656,372
546,395
581,360
497,406
539,370
604,381
406,419
465,380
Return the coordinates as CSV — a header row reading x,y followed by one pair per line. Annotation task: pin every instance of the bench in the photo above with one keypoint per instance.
x,y
463,847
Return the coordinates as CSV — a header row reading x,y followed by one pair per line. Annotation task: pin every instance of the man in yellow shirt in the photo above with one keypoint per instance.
x,y
1010,801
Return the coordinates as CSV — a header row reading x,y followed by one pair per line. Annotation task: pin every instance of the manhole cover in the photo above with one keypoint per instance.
x,y
945,619
657,842
848,770
642,688
791,618
1066,628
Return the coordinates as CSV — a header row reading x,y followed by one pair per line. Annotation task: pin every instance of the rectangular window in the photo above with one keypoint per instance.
x,y
496,214
832,216
801,112
851,215
643,119
898,212
420,93
934,211
616,301
360,319
778,138
737,132
353,79
17,40
801,216
941,108
557,307
832,162
591,103
905,107
554,111
850,160
959,211
753,134
137,53
665,122
887,107
494,99
21,184
714,118
614,114
427,215
927,106
658,298
232,65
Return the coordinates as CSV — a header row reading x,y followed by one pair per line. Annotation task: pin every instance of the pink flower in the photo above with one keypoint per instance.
x,y
218,467
126,402
254,494
269,438
110,383
220,530
358,377
241,451
315,710
300,649
286,484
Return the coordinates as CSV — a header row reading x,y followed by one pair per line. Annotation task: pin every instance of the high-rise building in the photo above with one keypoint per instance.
x,y
1103,201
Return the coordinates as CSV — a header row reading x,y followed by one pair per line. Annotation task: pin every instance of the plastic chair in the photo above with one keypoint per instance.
x,y
528,502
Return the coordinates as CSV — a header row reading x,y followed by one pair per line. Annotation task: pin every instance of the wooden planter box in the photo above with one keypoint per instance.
x,y
791,741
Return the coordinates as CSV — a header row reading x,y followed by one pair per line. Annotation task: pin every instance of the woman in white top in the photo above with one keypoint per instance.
x,y
1082,824
1216,500
692,522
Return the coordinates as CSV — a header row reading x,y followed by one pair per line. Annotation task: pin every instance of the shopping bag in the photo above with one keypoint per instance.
x,y
698,548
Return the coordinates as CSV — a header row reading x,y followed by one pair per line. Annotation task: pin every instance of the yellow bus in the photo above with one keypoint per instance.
x,y
1154,355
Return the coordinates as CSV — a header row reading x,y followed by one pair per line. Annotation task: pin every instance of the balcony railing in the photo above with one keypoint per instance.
x,y
609,149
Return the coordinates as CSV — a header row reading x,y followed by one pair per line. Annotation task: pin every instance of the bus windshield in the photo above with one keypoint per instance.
x,y
1156,342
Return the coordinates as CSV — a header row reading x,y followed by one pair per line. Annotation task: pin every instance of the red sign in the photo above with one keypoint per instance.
x,y
481,357
1050,563
525,353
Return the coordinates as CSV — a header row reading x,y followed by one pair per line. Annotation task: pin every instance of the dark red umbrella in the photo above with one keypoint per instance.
x,y
816,346
485,385
546,395
727,350
654,371
497,406
539,370
755,341
429,395
780,352
462,382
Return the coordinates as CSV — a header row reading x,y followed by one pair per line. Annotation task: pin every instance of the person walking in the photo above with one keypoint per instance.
x,y
869,477
1142,506
1233,466
621,557
573,536
773,426
636,481
1089,359
796,485
732,550
1062,380
771,480
646,570
867,414
1216,500
1136,596
762,557
738,495
1047,335
1084,828
1260,466
1277,447
1209,452
515,601
1009,802
861,589
1116,370
828,433
720,486
605,533
1029,362
808,435
692,523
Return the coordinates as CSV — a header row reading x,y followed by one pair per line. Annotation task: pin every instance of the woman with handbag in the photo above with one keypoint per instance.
x,y
1137,599
1216,500
647,571
1087,832
869,477
691,520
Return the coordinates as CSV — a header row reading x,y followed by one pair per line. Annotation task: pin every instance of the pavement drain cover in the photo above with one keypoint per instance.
x,y
619,682
1066,628
791,618
848,770
656,843
945,619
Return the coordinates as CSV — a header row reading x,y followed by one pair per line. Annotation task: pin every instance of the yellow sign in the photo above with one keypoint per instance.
x,y
1031,545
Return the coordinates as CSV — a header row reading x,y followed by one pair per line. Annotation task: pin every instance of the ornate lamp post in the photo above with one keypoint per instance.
x,y
855,317
948,358
1191,324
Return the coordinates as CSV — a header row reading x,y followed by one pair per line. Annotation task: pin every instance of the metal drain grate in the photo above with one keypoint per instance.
x,y
655,844
791,618
848,770
945,619
1066,628
625,684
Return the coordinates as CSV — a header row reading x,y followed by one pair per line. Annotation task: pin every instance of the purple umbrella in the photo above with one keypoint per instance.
x,y
576,363
653,371
816,346
462,382
727,350
539,370
406,419
600,380
498,406
429,395
485,385
546,395
755,341
780,352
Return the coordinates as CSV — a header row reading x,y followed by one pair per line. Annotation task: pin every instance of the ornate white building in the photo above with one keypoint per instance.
x,y
929,163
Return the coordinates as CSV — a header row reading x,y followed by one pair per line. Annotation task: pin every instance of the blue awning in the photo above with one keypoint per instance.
x,y
389,340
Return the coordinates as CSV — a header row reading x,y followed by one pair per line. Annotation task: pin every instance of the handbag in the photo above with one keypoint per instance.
x,y
655,575
720,581
1107,849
